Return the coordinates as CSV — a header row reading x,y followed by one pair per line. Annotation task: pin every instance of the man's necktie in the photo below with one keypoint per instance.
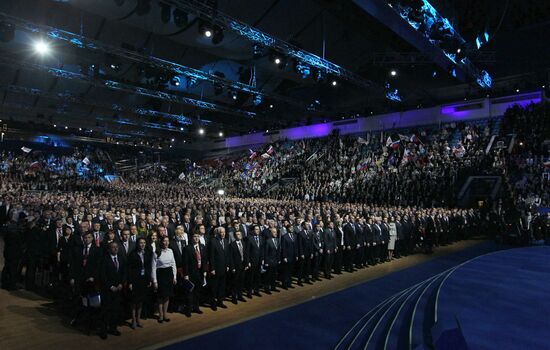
x,y
240,249
85,260
97,239
116,263
257,241
198,256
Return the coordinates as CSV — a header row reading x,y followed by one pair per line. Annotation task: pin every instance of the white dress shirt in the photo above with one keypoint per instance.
x,y
165,260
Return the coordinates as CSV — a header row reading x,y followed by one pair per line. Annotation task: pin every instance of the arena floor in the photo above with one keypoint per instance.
x,y
31,321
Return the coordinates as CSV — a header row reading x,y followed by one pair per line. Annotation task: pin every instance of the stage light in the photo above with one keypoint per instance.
x,y
55,125
334,83
175,81
208,33
181,129
221,192
277,60
201,131
165,12
270,106
393,72
66,127
220,134
143,7
517,90
7,32
173,140
41,47
181,19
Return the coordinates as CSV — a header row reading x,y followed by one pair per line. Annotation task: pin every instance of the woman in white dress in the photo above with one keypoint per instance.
x,y
393,238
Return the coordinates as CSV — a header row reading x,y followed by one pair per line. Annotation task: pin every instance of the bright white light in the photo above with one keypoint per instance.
x,y
55,125
220,134
277,60
334,83
66,127
201,131
517,90
234,97
79,129
267,131
458,50
221,192
181,129
173,140
208,33
41,47
393,73
270,106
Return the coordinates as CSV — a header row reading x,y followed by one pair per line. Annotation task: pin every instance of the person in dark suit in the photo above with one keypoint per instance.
x,y
289,254
360,239
178,244
369,241
98,235
195,267
350,244
305,254
55,233
339,253
329,239
318,250
125,246
238,265
64,254
112,276
255,248
272,260
218,257
139,278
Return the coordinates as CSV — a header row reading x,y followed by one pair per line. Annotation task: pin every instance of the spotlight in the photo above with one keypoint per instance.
x,y
220,134
277,60
234,95
334,83
41,47
270,106
517,90
165,12
66,127
7,32
221,192
55,125
173,140
393,73
143,7
175,81
181,129
79,129
201,131
181,19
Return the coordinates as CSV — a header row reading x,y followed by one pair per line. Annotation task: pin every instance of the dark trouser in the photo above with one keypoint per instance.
x,y
288,269
193,297
338,256
348,258
10,274
359,254
316,264
30,275
217,288
327,264
253,278
271,277
237,283
110,309
304,269
370,254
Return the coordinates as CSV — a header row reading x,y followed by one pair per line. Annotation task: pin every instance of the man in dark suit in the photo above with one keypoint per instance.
x,y
360,239
318,249
350,244
218,257
178,244
272,259
339,253
97,234
329,238
112,276
194,267
305,254
238,265
289,256
243,227
255,247
125,246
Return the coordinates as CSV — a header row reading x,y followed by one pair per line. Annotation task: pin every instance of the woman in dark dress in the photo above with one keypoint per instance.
x,y
139,278
164,276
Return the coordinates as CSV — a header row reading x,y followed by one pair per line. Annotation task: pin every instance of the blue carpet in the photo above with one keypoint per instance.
x,y
501,300
321,322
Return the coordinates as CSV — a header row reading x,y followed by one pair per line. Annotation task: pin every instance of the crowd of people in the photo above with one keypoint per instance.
x,y
151,245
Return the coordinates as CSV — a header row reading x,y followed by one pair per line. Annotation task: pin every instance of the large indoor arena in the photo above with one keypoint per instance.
x,y
274,174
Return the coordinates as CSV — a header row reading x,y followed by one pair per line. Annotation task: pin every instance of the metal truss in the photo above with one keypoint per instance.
x,y
114,85
72,98
190,73
254,35
420,58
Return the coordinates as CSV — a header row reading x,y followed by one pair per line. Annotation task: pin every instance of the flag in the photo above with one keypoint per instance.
x,y
403,137
252,154
362,141
265,156
415,139
395,144
26,149
363,165
270,150
181,176
389,141
547,163
86,161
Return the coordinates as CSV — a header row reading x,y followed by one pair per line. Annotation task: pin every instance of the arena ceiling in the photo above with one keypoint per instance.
x,y
146,68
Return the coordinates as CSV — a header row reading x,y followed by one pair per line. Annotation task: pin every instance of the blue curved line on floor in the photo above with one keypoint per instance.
x,y
321,322
502,301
